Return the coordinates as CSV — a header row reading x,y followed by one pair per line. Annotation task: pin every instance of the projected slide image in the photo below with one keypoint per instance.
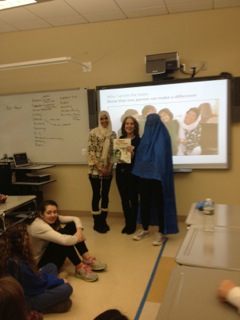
x,y
194,112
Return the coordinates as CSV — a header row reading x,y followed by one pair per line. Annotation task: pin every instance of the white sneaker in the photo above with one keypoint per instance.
x,y
141,234
159,239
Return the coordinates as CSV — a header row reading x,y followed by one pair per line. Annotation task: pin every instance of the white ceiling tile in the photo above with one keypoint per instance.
x,y
183,2
53,9
5,27
96,17
21,19
93,6
63,21
31,25
189,7
67,12
154,11
139,4
15,15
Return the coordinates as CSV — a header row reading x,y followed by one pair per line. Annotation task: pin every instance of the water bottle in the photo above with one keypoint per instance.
x,y
208,211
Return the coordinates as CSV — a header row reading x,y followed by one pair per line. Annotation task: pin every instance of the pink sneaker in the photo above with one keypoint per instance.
x,y
85,273
95,265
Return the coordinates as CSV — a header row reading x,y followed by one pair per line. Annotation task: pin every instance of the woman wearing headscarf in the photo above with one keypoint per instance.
x,y
100,151
153,164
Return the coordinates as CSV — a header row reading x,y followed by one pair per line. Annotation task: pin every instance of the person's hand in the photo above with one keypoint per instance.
x,y
130,148
104,171
80,235
3,198
224,289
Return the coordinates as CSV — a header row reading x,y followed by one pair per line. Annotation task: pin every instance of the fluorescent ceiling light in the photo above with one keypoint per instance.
x,y
37,63
6,4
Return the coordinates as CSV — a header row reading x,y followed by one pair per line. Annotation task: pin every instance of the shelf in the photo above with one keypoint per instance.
x,y
33,183
34,167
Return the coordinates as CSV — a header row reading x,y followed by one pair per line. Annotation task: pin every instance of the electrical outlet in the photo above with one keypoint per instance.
x,y
183,66
204,65
86,66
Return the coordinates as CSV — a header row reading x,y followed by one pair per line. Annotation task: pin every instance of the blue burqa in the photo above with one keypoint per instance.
x,y
154,161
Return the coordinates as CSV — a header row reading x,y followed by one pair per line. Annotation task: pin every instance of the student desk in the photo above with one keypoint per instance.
x,y
218,249
225,215
14,202
191,294
8,208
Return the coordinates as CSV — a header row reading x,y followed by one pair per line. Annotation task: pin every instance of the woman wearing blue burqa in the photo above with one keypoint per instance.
x,y
153,164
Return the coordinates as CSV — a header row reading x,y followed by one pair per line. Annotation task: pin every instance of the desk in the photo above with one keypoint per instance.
x,y
34,184
225,215
218,249
191,294
13,203
34,167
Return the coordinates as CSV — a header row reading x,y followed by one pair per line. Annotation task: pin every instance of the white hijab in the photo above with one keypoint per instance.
x,y
104,133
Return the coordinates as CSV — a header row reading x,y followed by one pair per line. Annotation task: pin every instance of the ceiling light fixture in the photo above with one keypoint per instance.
x,y
6,4
37,63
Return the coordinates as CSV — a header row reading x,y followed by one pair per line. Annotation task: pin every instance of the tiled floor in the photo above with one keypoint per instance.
x,y
124,283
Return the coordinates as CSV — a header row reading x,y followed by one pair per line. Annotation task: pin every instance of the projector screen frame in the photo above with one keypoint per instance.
x,y
220,160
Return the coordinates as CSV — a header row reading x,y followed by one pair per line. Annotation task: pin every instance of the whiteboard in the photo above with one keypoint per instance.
x,y
52,127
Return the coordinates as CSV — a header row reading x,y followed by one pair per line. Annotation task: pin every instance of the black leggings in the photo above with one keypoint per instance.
x,y
57,253
151,191
100,188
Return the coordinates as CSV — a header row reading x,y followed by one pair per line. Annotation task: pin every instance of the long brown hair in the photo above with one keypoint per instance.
x,y
15,244
136,126
12,301
43,206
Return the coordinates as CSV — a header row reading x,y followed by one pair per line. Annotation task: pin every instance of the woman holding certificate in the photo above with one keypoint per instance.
x,y
128,183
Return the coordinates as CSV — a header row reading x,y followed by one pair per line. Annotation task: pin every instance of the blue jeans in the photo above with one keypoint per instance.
x,y
51,296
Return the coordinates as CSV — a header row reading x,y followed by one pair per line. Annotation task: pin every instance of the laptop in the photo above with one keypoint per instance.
x,y
21,161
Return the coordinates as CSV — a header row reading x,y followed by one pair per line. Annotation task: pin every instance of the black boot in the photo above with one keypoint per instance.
x,y
131,228
124,230
131,225
98,223
104,220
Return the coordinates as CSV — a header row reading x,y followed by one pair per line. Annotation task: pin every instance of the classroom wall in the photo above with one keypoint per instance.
x,y
117,50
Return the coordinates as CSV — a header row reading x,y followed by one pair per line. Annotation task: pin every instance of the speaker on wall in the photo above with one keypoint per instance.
x,y
92,108
235,96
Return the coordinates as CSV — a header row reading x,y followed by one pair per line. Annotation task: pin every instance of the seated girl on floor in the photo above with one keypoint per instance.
x,y
54,243
43,290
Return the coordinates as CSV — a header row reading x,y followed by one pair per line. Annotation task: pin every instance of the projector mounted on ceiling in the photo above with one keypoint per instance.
x,y
162,63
